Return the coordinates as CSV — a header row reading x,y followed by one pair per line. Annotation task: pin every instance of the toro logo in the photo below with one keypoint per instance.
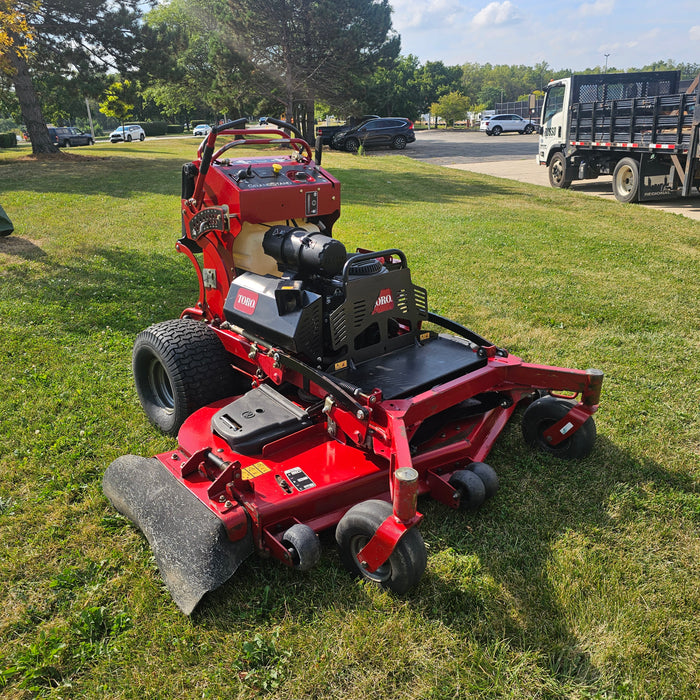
x,y
245,301
385,302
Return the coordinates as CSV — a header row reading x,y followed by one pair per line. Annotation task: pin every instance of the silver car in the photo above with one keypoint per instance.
x,y
497,124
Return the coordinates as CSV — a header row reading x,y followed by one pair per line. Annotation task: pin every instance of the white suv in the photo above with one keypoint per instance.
x,y
128,132
499,123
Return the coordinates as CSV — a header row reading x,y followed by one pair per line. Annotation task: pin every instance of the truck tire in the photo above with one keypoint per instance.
x,y
625,182
559,172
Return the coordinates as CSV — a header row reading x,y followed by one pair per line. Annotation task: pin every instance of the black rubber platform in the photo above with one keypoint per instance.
x,y
414,369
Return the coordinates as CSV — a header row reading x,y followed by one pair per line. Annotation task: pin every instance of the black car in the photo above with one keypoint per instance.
x,y
394,132
69,136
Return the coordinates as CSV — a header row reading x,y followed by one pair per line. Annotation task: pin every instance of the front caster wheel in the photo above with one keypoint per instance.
x,y
543,414
304,546
488,476
404,568
471,489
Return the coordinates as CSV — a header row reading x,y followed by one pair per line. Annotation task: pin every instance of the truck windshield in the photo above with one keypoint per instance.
x,y
555,101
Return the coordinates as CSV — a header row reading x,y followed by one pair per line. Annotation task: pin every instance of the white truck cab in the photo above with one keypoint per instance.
x,y
553,124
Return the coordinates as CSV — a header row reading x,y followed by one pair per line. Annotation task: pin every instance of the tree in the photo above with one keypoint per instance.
x,y
117,102
301,50
73,39
451,107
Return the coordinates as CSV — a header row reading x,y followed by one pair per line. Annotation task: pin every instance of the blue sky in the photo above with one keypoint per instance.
x,y
574,35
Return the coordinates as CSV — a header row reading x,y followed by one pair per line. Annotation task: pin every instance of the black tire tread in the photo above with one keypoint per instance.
x,y
198,366
409,558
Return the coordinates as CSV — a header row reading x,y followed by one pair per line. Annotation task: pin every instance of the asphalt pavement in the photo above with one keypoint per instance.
x,y
512,156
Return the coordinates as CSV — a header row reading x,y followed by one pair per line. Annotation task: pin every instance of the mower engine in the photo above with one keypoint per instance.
x,y
311,388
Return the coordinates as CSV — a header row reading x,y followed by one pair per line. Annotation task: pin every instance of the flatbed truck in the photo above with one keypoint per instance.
x,y
637,127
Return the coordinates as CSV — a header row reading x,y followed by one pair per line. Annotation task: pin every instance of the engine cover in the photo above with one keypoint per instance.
x,y
279,311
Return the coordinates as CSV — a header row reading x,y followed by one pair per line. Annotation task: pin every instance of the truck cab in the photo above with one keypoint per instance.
x,y
554,120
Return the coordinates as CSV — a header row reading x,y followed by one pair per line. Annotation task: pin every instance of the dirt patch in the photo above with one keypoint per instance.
x,y
61,157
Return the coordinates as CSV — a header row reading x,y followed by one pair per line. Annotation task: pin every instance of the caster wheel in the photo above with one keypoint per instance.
x,y
471,489
404,568
304,546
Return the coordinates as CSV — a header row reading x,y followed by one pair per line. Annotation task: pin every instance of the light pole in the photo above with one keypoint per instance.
x,y
606,61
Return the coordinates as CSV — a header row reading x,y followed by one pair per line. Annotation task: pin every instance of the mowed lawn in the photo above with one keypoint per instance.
x,y
578,580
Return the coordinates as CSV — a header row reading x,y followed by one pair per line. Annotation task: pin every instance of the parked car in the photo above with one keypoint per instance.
x,y
499,123
128,132
64,136
394,132
328,132
201,130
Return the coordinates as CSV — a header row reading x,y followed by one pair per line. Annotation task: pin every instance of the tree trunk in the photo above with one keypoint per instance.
x,y
29,104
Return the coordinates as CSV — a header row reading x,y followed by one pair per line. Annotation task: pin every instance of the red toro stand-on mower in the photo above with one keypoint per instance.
x,y
307,391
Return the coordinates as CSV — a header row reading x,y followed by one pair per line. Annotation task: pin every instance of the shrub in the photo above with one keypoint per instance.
x,y
8,140
153,128
176,129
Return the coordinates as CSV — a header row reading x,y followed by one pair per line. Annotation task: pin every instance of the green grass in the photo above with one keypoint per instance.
x,y
577,581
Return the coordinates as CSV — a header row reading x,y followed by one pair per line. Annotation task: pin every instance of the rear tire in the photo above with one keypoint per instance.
x,y
404,568
625,182
559,172
496,131
141,137
399,142
179,366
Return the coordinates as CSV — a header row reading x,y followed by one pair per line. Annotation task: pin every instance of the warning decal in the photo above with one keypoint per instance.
x,y
254,470
299,479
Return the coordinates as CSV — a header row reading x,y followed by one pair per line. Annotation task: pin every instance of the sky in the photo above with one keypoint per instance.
x,y
565,34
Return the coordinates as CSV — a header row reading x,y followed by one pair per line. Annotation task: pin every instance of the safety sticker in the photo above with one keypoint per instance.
x,y
253,470
299,479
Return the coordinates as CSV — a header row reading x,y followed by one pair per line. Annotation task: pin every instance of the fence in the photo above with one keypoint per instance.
x,y
520,108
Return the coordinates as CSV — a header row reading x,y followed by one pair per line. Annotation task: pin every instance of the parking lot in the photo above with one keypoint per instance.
x,y
512,156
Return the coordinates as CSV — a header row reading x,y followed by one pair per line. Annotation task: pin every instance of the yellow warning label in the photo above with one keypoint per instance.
x,y
254,470
340,365
425,336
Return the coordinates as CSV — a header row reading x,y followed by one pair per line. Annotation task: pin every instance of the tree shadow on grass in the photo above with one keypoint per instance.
x,y
112,176
15,246
103,287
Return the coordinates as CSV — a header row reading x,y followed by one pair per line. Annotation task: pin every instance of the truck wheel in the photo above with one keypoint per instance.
x,y
404,568
559,175
625,181
179,366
